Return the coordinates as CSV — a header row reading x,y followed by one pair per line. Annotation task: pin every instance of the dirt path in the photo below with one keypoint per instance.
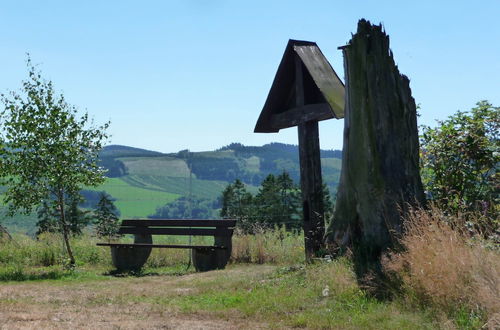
x,y
119,303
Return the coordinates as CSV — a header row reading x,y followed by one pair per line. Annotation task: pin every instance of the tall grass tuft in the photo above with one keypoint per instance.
x,y
48,250
442,266
276,246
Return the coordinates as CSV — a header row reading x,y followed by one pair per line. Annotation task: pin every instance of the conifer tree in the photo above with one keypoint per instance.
x,y
237,204
77,218
106,214
277,201
48,216
47,219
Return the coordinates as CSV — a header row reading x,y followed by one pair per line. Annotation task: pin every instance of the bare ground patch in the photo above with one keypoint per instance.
x,y
118,303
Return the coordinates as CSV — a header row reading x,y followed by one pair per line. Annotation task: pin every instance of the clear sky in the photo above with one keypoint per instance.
x,y
194,74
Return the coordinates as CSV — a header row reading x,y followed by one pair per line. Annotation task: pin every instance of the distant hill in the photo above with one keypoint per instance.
x,y
250,164
142,180
124,151
130,169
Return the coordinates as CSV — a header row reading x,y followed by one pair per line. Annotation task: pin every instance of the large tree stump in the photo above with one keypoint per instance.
x,y
380,172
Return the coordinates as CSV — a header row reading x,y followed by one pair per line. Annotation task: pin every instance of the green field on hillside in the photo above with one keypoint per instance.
x,y
209,189
132,201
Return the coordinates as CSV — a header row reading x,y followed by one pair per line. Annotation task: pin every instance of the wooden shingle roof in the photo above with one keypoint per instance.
x,y
323,90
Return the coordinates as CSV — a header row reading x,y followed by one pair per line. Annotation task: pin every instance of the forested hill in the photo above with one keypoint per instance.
x,y
250,164
141,181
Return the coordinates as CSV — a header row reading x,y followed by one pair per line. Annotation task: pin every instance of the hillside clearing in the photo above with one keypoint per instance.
x,y
134,202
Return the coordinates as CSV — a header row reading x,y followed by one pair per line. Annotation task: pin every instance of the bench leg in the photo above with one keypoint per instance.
x,y
205,260
131,258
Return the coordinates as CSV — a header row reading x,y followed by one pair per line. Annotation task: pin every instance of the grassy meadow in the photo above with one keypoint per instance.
x,y
266,285
133,201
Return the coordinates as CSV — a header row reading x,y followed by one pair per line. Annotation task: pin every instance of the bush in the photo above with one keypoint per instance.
x,y
460,165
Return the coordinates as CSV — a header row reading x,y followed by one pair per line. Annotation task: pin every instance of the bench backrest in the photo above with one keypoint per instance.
x,y
221,228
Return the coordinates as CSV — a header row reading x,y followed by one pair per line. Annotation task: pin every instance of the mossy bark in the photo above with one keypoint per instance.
x,y
380,172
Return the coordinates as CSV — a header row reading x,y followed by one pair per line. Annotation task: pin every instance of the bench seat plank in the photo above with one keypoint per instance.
x,y
172,246
179,223
223,232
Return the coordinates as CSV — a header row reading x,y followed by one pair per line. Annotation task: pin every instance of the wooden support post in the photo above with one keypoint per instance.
x,y
310,175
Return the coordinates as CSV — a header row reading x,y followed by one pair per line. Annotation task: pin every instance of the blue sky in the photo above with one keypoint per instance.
x,y
194,74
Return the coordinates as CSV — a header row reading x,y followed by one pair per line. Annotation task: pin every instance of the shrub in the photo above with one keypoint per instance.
x,y
460,169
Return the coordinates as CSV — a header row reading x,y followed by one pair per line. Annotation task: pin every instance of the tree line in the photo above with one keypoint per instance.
x,y
104,217
277,203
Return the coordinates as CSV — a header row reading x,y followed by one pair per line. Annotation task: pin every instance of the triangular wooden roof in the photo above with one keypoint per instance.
x,y
323,90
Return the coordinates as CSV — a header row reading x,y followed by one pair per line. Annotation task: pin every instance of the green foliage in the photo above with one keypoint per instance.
x,y
278,202
106,218
76,218
460,162
47,152
47,219
115,168
328,203
237,203
186,208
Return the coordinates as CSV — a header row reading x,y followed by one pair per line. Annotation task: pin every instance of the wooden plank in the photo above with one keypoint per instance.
x,y
177,231
180,223
324,76
170,246
299,82
301,114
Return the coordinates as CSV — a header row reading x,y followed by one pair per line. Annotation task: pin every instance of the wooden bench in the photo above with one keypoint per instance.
x,y
132,256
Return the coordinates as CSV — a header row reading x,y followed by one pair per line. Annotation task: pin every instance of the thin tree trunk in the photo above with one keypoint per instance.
x,y
64,226
3,231
380,171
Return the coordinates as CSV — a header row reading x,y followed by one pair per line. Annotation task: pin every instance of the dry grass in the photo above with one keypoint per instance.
x,y
441,266
275,246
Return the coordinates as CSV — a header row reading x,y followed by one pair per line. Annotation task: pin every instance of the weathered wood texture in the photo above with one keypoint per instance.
x,y
176,231
380,171
128,256
322,90
310,174
178,223
161,246
312,188
296,116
